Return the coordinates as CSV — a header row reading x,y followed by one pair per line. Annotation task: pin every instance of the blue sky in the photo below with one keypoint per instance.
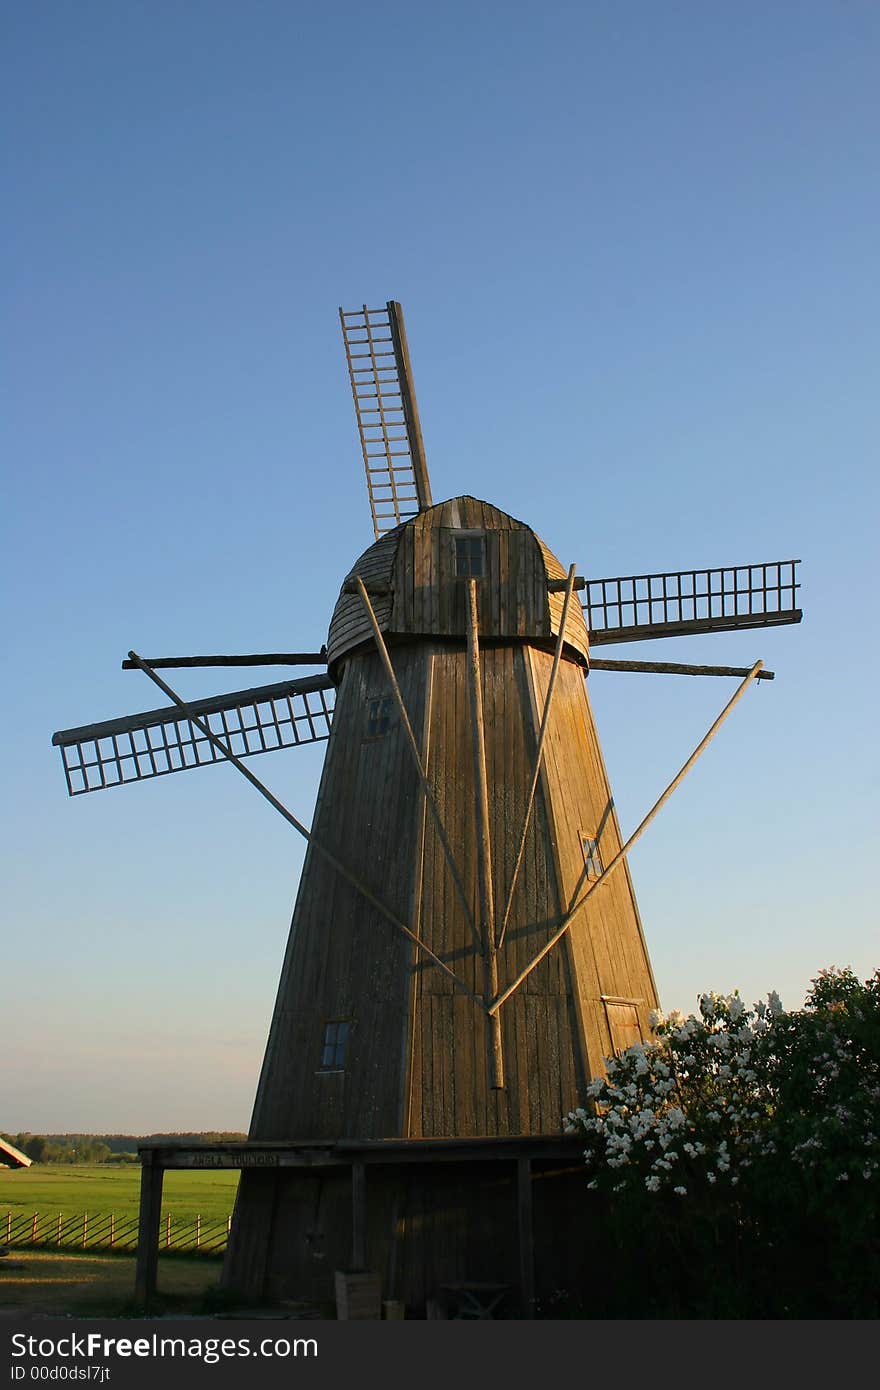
x,y
636,247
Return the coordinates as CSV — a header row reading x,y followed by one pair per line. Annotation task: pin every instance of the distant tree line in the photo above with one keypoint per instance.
x,y
103,1148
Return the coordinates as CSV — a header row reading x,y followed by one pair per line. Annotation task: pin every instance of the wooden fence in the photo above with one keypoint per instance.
x,y
107,1231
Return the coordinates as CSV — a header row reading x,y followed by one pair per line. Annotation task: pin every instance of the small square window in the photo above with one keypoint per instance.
x,y
380,713
470,557
592,857
334,1046
623,1024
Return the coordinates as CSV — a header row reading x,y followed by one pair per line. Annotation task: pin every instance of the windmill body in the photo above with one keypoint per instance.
x,y
369,1037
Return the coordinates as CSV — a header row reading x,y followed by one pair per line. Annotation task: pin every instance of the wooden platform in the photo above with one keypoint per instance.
x,y
375,1177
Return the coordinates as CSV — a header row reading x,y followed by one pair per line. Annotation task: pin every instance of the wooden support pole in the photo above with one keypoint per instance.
x,y
671,668
525,1226
539,752
408,401
350,586
257,659
483,842
382,648
147,1265
637,833
299,827
358,1215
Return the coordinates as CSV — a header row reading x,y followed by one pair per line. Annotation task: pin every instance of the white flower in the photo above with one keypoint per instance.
x,y
652,1183
682,1191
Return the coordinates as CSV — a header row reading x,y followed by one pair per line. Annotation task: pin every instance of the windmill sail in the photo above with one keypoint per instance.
x,y
640,607
387,416
160,741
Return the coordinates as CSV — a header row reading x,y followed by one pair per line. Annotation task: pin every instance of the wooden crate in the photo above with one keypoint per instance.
x,y
358,1294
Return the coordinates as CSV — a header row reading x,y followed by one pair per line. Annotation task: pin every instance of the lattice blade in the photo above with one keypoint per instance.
x,y
387,415
160,741
640,607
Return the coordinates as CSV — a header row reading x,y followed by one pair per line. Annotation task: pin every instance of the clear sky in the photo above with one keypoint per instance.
x,y
636,245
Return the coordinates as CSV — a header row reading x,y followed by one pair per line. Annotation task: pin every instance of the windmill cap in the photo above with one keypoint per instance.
x,y
413,577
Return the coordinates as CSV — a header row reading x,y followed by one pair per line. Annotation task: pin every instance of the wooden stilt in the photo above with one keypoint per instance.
x,y
526,1235
358,1216
147,1265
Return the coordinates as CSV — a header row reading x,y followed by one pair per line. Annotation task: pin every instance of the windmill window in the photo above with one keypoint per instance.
x,y
335,1045
592,857
470,557
623,1022
380,715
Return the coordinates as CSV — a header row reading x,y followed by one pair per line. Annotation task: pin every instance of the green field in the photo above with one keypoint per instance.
x,y
97,1189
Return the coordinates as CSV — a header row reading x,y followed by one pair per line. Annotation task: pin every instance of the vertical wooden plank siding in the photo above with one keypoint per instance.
x,y
607,946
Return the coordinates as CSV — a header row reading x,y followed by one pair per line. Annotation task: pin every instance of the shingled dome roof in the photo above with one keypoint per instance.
x,y
410,575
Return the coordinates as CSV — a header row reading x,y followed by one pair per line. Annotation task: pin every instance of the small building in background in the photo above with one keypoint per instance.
x,y
11,1157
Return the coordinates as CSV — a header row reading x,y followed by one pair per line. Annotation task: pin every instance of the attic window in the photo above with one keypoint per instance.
x,y
592,857
379,716
334,1046
470,556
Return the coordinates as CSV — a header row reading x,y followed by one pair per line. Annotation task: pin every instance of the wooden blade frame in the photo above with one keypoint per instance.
x,y
640,607
387,415
159,741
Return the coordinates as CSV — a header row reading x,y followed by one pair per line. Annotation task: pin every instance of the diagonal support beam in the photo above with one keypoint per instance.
x,y
539,752
307,835
637,833
382,649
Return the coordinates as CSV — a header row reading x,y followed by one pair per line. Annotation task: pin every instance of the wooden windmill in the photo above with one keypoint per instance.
x,y
465,947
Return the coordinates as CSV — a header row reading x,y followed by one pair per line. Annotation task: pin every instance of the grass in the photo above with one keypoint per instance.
x,y
98,1188
98,1283
102,1285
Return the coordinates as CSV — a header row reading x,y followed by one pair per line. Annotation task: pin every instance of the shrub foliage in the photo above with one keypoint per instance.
x,y
738,1153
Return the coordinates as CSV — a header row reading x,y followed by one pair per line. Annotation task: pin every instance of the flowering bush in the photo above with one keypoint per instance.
x,y
756,1130
716,1095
